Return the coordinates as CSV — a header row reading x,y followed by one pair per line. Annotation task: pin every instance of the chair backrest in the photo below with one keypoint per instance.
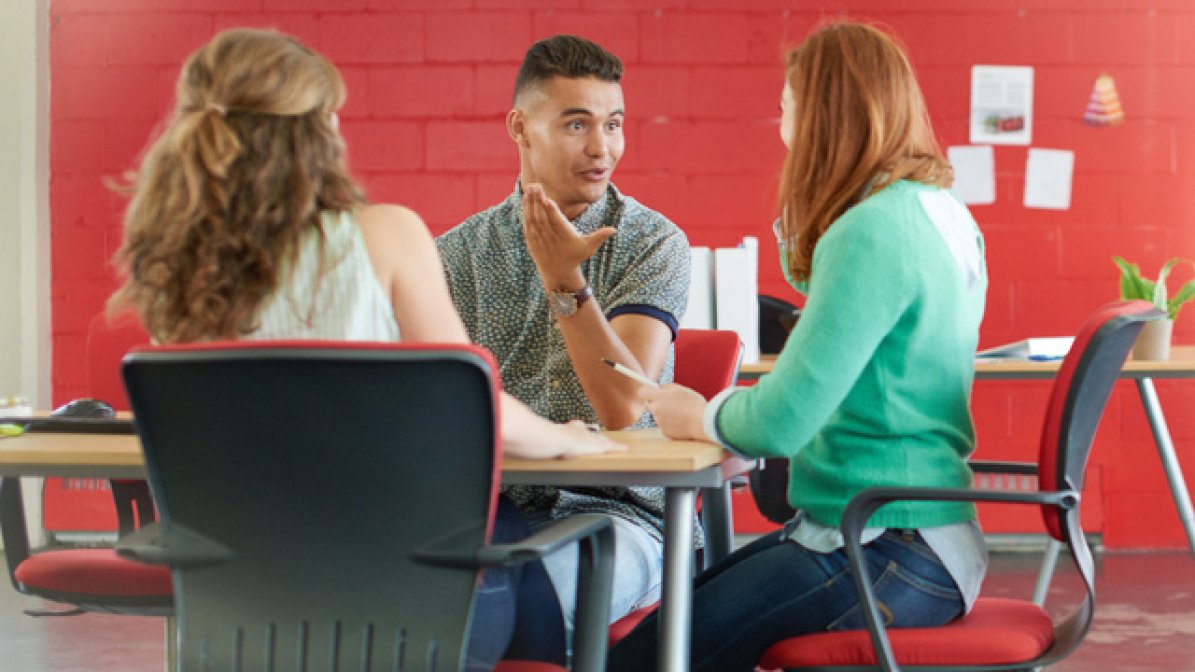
x,y
296,480
707,360
1080,393
109,337
777,318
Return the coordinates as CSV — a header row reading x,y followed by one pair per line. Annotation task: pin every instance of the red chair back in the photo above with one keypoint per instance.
x,y
1080,393
109,337
707,360
85,504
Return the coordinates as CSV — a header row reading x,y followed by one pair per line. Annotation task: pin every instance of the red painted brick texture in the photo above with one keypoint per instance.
x,y
429,84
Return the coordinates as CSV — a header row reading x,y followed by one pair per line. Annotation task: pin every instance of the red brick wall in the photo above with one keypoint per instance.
x,y
430,81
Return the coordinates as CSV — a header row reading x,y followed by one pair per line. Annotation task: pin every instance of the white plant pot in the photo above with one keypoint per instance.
x,y
1153,344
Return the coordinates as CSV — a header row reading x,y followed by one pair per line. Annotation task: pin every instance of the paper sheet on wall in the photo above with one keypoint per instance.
x,y
974,173
700,313
1048,174
1001,105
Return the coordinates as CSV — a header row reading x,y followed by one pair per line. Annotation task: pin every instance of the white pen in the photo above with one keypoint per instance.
x,y
637,377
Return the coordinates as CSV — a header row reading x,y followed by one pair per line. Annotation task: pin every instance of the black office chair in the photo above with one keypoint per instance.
x,y
89,579
998,633
86,579
769,481
330,504
777,318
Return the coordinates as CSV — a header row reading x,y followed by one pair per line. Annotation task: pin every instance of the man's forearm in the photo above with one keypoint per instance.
x,y
638,342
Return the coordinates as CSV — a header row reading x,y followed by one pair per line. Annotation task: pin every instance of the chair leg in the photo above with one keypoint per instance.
x,y
718,521
171,644
1046,574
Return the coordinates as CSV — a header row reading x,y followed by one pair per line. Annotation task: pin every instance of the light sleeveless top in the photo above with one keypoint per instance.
x,y
334,296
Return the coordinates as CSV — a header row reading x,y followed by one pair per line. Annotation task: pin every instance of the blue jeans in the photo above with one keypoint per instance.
x,y
773,589
638,571
515,612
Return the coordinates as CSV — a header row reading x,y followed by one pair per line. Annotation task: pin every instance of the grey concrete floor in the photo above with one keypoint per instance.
x,y
1145,620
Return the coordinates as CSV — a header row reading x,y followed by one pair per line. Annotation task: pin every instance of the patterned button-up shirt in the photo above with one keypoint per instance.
x,y
643,269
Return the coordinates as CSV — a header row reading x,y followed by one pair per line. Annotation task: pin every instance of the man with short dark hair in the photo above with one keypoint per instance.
x,y
568,271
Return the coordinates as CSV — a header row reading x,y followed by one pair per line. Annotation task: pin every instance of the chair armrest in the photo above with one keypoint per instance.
x,y
453,551
171,545
865,503
543,541
129,496
999,467
594,533
595,577
12,525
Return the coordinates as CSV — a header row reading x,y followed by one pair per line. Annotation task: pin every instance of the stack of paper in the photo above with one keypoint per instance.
x,y
15,407
724,293
700,313
1051,347
736,294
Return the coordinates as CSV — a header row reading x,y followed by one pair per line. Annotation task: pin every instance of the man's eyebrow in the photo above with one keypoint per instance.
x,y
573,111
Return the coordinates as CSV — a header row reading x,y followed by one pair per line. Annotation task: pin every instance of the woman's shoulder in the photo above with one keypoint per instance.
x,y
388,219
893,198
890,212
394,235
390,226
880,228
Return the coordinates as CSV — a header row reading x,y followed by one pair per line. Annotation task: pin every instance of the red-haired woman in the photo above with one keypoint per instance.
x,y
873,385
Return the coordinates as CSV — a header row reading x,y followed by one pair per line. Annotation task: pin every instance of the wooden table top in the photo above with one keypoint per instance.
x,y
1180,365
647,451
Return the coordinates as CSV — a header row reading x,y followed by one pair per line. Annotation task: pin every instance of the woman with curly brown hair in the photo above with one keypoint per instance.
x,y
245,224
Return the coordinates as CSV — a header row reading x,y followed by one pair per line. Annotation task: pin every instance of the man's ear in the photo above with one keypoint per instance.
x,y
516,126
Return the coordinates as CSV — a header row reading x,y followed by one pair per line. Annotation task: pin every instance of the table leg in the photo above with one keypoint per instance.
x,y
677,592
1174,474
718,522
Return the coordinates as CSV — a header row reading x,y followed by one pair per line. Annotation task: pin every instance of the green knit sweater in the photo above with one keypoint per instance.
x,y
873,386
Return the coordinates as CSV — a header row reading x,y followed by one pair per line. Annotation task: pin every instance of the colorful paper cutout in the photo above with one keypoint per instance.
x,y
1103,107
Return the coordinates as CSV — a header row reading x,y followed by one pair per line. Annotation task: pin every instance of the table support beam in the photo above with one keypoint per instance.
x,y
1174,473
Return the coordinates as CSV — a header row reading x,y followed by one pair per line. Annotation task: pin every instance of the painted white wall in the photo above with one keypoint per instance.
x,y
25,211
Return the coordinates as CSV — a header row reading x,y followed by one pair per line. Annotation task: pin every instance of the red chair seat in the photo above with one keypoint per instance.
x,y
89,571
624,625
527,666
997,631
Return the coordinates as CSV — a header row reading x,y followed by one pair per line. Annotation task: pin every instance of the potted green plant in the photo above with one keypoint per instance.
x,y
1154,341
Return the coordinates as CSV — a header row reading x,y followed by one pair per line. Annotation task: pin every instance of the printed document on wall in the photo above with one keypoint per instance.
x,y
974,173
1048,175
1001,105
